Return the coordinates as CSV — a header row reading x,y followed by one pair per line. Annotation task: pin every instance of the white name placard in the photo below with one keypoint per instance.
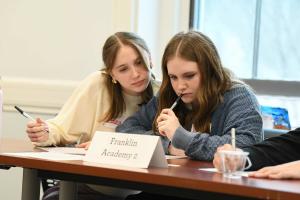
x,y
132,150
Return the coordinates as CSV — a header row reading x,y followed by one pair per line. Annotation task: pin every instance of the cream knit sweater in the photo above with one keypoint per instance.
x,y
82,112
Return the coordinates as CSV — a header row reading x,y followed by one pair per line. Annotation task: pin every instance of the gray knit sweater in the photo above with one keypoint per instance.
x,y
239,110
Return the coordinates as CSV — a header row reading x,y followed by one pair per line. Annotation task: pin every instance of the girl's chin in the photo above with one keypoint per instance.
x,y
187,100
139,90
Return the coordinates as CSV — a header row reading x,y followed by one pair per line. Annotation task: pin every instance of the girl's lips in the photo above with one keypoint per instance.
x,y
185,94
138,83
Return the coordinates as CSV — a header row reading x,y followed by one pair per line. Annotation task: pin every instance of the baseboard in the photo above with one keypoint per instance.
x,y
35,95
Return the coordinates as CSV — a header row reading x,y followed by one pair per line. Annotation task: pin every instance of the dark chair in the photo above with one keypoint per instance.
x,y
48,183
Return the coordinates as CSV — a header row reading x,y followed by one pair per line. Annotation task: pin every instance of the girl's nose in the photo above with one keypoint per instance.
x,y
135,72
182,85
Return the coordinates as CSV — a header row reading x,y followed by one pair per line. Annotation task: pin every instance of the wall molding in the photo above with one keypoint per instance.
x,y
35,95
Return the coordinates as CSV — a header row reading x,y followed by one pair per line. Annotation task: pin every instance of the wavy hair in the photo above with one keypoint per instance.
x,y
215,80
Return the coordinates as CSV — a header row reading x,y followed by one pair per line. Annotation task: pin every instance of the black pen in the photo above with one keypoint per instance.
x,y
24,113
27,116
176,101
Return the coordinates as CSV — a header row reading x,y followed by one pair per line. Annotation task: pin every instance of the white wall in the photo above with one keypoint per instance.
x,y
158,21
47,46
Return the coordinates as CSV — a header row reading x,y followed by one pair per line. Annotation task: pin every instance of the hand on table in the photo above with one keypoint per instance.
x,y
289,170
84,145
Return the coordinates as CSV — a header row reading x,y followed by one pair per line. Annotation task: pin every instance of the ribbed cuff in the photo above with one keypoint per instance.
x,y
182,138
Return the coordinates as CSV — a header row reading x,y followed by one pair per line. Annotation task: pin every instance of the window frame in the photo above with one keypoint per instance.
x,y
261,86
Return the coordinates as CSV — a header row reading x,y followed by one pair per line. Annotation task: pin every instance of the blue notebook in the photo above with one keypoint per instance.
x,y
280,117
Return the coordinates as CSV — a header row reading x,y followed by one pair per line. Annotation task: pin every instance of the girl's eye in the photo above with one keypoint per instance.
x,y
138,62
173,77
189,76
123,69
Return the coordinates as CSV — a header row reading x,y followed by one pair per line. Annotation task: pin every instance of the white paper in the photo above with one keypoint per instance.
x,y
209,169
173,165
47,155
215,170
66,150
169,157
82,151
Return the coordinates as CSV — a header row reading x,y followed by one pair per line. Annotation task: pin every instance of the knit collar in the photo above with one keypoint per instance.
x,y
132,100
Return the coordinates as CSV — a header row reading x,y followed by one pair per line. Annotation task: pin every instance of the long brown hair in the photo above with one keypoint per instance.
x,y
110,49
215,80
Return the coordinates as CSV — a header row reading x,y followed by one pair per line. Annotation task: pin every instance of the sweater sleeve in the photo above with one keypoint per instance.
x,y
240,110
141,121
276,150
78,114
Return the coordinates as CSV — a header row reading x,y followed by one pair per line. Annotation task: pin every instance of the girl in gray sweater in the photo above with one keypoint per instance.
x,y
211,103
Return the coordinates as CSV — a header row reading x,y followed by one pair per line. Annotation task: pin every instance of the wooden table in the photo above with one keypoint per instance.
x,y
182,178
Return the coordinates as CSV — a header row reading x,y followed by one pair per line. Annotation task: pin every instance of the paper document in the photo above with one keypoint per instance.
x,y
168,157
209,169
66,150
215,170
47,155
82,151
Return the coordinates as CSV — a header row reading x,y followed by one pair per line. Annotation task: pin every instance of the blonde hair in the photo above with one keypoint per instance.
x,y
110,49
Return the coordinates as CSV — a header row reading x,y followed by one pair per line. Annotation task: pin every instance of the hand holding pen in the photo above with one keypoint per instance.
x,y
37,130
167,122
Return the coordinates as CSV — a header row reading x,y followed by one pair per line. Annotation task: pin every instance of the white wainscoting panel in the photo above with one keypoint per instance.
x,y
35,95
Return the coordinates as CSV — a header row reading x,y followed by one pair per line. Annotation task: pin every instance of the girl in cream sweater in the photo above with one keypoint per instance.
x,y
101,102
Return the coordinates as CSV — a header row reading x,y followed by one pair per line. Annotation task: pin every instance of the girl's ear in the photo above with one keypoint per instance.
x,y
113,78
